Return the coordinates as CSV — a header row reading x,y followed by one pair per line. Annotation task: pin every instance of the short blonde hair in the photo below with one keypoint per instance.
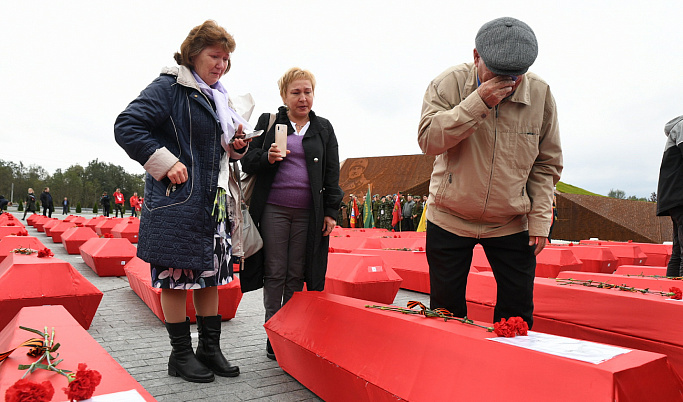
x,y
200,37
293,74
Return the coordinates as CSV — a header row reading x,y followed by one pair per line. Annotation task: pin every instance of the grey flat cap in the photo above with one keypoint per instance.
x,y
507,45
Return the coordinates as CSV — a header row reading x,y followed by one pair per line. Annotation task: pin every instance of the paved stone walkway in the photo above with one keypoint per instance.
x,y
137,340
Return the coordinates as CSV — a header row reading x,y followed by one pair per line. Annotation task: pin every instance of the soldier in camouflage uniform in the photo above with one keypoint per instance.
x,y
386,207
375,209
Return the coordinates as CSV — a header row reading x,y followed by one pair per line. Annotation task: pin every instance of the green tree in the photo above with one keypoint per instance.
x,y
620,194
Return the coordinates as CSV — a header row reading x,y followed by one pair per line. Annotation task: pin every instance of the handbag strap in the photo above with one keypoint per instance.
x,y
235,165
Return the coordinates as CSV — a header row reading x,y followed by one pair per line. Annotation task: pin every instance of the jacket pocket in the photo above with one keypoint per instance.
x,y
164,194
520,150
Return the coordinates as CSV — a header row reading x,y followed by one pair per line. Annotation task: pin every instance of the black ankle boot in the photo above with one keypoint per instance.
x,y
269,351
183,363
209,349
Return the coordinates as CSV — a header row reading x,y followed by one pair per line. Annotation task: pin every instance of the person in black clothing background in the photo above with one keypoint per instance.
x,y
46,202
30,203
106,204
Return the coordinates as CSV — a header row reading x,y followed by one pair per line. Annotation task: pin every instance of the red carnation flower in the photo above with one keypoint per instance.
x,y
108,236
504,328
46,252
678,295
84,384
27,391
513,326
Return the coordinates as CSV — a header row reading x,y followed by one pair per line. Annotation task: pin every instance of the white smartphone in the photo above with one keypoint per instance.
x,y
281,138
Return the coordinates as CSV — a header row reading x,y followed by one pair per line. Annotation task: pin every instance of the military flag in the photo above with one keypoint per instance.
x,y
396,214
368,219
354,213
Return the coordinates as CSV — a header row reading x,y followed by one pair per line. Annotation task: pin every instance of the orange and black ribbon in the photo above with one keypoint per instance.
x,y
437,312
35,343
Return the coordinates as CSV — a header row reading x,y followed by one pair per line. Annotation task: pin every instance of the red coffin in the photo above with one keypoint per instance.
x,y
390,243
33,218
626,253
639,282
388,356
353,232
92,222
10,243
127,229
76,346
641,270
594,258
105,225
10,220
40,221
411,266
139,278
48,225
10,230
59,229
26,280
75,219
612,316
75,237
107,256
364,277
550,261
346,244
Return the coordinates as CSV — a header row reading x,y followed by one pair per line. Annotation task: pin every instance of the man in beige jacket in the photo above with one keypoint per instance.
x,y
494,129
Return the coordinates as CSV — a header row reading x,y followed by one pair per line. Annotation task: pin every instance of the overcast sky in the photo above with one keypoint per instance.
x,y
614,67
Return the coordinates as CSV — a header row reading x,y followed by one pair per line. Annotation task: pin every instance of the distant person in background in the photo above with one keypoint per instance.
x,y
134,204
46,202
65,206
552,225
30,203
119,202
670,190
4,202
105,201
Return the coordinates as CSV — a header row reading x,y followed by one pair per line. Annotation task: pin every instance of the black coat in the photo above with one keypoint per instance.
x,y
31,202
46,200
322,161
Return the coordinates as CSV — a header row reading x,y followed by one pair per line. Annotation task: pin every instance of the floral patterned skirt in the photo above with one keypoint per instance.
x,y
222,273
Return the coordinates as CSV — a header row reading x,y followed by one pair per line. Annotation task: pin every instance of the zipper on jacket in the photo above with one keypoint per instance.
x,y
493,159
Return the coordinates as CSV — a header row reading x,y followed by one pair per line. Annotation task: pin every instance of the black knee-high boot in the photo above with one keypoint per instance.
x,y
183,362
209,350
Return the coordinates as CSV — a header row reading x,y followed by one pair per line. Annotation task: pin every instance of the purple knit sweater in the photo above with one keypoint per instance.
x,y
291,187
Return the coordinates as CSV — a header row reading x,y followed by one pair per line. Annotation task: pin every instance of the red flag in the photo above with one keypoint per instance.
x,y
396,214
354,213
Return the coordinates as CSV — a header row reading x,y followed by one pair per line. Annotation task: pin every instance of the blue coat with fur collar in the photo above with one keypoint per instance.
x,y
172,120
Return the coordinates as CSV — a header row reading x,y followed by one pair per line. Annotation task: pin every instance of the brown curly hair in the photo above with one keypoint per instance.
x,y
200,37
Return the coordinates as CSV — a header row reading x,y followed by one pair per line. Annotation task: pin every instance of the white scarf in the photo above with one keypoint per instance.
x,y
228,118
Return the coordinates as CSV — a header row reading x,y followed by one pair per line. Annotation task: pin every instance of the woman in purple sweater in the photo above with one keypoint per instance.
x,y
296,197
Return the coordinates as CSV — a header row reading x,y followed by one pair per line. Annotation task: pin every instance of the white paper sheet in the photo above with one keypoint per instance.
x,y
566,347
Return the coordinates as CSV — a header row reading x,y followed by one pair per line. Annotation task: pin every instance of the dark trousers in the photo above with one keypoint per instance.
x,y
47,211
105,210
674,268
285,232
512,261
117,208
